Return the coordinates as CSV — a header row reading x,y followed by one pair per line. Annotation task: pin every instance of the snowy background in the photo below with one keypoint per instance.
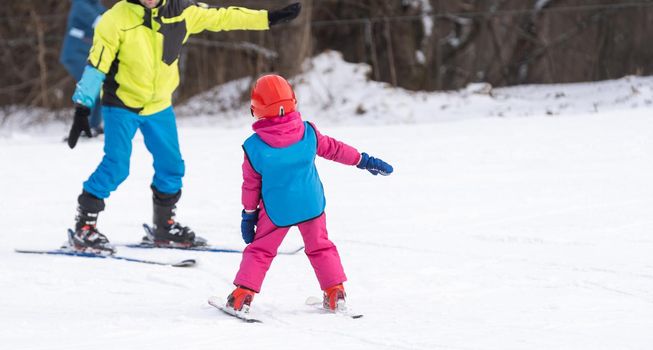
x,y
517,218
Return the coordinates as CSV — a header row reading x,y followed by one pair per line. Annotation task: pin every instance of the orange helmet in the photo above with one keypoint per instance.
x,y
272,96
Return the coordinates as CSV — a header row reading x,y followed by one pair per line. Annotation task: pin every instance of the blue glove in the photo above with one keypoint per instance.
x,y
88,88
374,165
247,225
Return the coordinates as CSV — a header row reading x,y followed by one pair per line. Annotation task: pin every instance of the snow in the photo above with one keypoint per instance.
x,y
527,231
335,92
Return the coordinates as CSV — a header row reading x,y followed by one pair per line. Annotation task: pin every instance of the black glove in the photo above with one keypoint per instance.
x,y
285,14
80,123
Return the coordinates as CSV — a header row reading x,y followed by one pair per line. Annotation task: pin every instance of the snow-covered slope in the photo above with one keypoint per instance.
x,y
493,233
336,92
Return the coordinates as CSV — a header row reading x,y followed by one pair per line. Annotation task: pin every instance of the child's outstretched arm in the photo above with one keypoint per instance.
x,y
338,151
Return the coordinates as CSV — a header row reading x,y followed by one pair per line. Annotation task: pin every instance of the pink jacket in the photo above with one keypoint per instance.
x,y
283,132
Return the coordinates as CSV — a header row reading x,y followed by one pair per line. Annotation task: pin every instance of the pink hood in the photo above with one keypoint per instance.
x,y
280,131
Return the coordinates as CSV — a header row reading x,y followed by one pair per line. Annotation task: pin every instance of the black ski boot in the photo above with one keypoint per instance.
x,y
86,237
166,231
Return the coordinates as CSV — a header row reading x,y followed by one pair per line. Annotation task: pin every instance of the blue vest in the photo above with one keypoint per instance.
x,y
291,188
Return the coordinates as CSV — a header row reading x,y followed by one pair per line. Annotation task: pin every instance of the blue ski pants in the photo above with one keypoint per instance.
x,y
160,134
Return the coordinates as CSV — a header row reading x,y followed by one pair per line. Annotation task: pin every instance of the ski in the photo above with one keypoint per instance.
x,y
317,303
208,249
219,304
148,244
70,252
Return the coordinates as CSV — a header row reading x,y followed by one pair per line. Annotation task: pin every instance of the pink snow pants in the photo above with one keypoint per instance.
x,y
321,252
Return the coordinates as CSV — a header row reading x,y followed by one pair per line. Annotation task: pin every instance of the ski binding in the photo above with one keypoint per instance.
x,y
341,310
243,315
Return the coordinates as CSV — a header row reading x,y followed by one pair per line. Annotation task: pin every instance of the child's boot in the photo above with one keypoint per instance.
x,y
334,298
240,299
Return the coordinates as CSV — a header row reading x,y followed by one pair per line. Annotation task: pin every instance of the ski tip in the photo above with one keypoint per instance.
x,y
24,251
186,263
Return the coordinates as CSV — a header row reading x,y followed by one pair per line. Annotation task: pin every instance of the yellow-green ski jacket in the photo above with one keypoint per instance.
x,y
138,48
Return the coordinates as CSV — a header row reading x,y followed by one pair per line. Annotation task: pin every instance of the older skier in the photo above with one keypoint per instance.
x,y
134,58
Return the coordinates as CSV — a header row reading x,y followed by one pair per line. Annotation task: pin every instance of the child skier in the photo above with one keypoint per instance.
x,y
281,188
